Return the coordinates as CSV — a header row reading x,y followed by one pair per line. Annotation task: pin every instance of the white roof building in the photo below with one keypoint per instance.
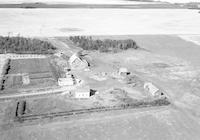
x,y
76,62
152,89
123,71
25,79
66,82
58,54
73,58
82,93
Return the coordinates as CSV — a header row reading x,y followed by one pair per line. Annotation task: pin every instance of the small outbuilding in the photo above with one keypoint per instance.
x,y
123,71
152,89
58,54
84,92
25,79
66,81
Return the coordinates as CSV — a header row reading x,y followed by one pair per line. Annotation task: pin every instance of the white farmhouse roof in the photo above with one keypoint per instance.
x,y
123,70
73,58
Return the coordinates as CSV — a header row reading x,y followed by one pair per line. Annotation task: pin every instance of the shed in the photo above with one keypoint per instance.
x,y
123,71
151,88
82,92
25,79
66,81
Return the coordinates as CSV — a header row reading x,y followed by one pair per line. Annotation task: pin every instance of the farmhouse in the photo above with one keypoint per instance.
x,y
76,62
74,59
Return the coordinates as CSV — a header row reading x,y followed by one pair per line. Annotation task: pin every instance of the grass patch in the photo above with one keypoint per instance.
x,y
39,71
31,66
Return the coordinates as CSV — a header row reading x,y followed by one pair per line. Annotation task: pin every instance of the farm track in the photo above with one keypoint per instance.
x,y
67,114
25,96
34,94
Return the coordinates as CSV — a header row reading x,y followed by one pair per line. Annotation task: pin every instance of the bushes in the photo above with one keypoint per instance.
x,y
23,45
5,71
143,103
107,45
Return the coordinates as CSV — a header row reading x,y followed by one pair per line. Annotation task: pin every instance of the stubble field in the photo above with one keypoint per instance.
x,y
62,22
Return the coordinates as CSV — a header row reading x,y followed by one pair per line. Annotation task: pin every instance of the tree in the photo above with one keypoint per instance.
x,y
87,43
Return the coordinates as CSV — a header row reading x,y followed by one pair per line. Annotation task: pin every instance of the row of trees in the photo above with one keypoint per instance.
x,y
107,45
5,71
23,45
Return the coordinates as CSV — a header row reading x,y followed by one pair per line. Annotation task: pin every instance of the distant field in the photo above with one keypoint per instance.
x,y
191,38
166,45
139,5
51,22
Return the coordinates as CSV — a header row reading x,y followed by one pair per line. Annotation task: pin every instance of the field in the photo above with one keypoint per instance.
x,y
83,1
177,74
29,66
64,22
170,123
39,71
191,38
98,1
170,61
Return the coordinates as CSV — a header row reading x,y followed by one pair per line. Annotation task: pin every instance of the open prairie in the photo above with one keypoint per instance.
x,y
62,22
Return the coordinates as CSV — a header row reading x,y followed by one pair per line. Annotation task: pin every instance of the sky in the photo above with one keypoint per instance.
x,y
90,1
